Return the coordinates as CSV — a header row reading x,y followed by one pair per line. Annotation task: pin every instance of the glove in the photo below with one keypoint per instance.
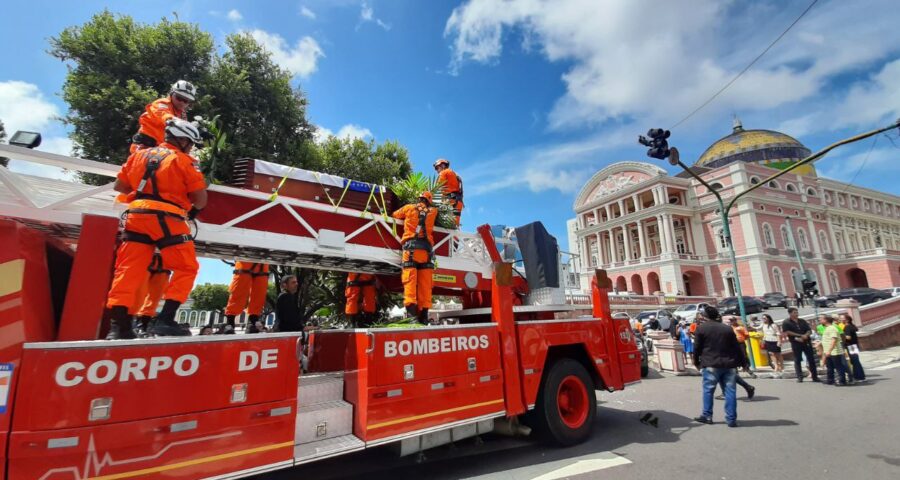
x,y
193,212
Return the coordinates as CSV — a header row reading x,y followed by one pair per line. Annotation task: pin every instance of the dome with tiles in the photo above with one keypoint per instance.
x,y
767,147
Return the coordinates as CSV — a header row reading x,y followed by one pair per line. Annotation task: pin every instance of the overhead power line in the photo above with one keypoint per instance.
x,y
736,77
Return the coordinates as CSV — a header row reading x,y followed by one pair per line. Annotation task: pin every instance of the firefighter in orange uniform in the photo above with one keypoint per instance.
x,y
168,191
150,293
360,291
418,255
452,187
250,283
153,121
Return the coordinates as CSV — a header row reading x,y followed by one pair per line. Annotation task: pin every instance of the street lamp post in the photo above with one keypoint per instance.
x,y
804,277
659,148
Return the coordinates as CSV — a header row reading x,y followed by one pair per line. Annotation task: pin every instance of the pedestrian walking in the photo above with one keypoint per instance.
x,y
798,297
717,354
800,335
684,336
741,334
833,352
772,340
851,344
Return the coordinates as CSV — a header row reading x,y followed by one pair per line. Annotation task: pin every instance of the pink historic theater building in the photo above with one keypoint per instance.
x,y
656,232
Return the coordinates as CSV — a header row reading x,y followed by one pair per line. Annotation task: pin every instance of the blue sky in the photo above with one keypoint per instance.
x,y
528,98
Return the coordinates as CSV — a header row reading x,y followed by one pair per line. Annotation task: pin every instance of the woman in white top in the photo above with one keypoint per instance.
x,y
772,339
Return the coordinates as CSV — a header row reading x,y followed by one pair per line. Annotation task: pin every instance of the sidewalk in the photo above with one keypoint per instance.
x,y
875,359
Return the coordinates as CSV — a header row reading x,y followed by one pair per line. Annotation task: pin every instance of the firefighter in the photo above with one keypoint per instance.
x,y
249,283
150,293
451,189
360,292
168,191
418,256
153,121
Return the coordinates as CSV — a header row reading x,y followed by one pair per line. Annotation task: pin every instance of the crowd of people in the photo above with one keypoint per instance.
x,y
718,347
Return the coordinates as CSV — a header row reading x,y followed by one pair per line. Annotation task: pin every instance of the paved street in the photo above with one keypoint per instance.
x,y
789,431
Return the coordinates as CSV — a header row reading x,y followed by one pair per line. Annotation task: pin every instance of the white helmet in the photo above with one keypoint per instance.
x,y
184,89
178,128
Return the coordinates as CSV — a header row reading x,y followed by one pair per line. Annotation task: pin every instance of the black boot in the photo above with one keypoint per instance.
x,y
251,324
143,324
229,325
423,316
164,325
120,324
411,311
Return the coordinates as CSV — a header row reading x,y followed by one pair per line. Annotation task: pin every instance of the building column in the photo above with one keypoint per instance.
x,y
847,247
621,208
608,213
637,206
817,249
660,230
833,235
641,242
626,237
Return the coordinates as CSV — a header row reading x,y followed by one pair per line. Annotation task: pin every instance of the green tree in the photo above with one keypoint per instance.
x,y
3,160
365,161
210,296
117,66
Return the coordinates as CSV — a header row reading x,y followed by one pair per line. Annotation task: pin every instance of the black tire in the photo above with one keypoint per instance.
x,y
546,417
645,370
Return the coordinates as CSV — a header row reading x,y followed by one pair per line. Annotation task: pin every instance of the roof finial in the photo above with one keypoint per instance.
x,y
736,125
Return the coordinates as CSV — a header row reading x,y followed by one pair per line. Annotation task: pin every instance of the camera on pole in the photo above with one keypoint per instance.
x,y
659,147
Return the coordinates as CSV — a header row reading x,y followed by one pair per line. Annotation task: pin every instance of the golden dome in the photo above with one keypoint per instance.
x,y
773,149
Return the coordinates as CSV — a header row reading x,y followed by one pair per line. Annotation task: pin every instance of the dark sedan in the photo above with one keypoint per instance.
x,y
729,306
775,299
864,296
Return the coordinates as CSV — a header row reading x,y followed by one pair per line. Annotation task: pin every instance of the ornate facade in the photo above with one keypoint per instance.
x,y
655,232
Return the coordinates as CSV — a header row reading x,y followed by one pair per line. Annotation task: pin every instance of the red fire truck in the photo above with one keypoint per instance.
x,y
74,407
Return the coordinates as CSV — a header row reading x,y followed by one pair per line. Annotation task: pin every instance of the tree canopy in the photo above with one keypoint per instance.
x,y
210,296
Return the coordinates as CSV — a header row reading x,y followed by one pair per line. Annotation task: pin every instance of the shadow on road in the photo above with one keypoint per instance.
x,y
767,423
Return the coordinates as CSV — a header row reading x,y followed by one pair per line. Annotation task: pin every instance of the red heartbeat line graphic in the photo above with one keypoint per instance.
x,y
94,462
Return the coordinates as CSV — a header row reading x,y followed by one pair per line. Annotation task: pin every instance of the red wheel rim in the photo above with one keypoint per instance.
x,y
572,401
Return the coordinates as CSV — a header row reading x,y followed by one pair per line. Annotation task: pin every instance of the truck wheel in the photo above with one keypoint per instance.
x,y
566,404
645,370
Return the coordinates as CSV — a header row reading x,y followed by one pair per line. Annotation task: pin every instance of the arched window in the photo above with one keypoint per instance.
x,y
801,239
767,235
811,192
193,316
823,242
182,317
773,184
790,187
778,280
784,237
716,186
754,180
833,280
793,276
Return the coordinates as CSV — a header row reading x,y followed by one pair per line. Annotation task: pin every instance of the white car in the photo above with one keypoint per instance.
x,y
895,291
688,311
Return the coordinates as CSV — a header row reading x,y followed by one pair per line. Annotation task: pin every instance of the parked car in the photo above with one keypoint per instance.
x,y
894,291
729,306
862,295
824,301
688,311
775,299
664,316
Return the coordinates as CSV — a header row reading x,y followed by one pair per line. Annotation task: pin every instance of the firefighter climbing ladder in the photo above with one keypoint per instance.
x,y
238,223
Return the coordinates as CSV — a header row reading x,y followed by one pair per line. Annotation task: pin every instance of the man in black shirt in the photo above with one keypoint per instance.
x,y
287,310
799,333
851,344
717,352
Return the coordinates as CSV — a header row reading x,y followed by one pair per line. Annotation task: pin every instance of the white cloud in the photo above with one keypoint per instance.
x,y
23,107
234,15
656,61
367,14
306,12
349,130
872,101
883,160
301,59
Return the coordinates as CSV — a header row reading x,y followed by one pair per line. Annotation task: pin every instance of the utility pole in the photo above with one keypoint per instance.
x,y
806,283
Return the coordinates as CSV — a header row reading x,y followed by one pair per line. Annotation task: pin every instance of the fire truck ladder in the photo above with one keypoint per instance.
x,y
237,224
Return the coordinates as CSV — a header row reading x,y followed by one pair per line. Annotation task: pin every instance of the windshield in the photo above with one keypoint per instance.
x,y
686,308
646,315
772,295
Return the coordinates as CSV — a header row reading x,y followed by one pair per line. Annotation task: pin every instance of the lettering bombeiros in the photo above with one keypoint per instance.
x,y
428,346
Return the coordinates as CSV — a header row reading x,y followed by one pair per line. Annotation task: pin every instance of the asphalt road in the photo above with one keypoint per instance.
x,y
789,431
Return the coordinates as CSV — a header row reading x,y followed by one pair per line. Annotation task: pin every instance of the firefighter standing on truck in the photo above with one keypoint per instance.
x,y
153,121
451,187
248,289
150,293
168,191
418,255
360,292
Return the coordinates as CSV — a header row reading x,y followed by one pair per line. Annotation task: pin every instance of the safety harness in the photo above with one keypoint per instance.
x,y
255,271
360,283
156,265
456,196
419,242
155,156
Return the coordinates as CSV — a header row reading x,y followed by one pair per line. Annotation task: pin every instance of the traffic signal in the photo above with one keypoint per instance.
x,y
659,147
809,288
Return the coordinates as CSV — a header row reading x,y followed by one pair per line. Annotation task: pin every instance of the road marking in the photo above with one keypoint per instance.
x,y
888,366
560,469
